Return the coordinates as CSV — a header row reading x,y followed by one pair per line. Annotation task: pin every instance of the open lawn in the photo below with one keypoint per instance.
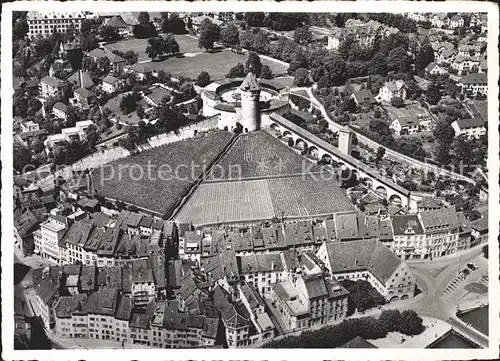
x,y
187,44
410,109
216,64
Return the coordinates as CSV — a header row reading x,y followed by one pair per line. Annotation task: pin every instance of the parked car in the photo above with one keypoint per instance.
x,y
466,272
472,266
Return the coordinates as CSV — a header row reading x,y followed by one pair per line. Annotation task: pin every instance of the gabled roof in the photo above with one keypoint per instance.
x,y
110,80
475,78
84,93
54,82
358,342
470,123
364,96
370,255
431,66
403,223
60,106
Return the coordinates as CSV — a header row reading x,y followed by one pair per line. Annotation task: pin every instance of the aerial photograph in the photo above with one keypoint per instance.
x,y
223,180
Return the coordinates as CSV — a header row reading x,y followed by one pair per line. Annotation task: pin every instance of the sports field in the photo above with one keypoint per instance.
x,y
259,154
156,178
187,44
255,200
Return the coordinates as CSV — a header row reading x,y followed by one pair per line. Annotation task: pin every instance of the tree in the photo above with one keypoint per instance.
x,y
108,33
209,34
485,251
236,71
397,102
144,31
433,93
378,64
253,64
380,153
170,45
173,24
443,132
254,19
411,323
301,77
285,21
398,60
390,319
20,28
424,56
462,150
203,79
88,41
255,39
230,35
299,61
128,103
92,135
266,72
21,158
302,35
143,18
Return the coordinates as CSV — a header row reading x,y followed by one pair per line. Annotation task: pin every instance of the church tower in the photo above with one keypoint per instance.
x,y
345,140
250,94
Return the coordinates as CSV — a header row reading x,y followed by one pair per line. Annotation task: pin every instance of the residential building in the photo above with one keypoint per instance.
x,y
440,20
29,126
47,293
73,244
472,127
47,23
472,50
392,89
68,134
117,62
456,21
60,110
116,22
48,237
83,98
361,32
434,69
429,234
429,204
418,17
464,64
363,98
474,84
140,71
143,282
222,270
406,125
479,231
51,87
110,84
308,300
261,271
372,261
255,306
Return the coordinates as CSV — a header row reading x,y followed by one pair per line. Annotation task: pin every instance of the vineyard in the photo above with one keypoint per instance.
x,y
305,195
228,202
259,154
155,179
255,200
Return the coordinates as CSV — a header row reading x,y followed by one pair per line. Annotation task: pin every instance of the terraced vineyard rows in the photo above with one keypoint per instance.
x,y
173,168
259,154
305,195
228,202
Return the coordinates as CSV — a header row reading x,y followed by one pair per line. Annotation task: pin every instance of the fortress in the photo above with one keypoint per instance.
x,y
248,102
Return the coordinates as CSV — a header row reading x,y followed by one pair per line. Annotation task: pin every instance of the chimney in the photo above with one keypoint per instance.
x,y
81,77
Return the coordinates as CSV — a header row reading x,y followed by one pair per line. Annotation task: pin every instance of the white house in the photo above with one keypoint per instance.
x,y
473,127
30,126
464,64
392,89
473,84
434,69
139,70
46,23
439,20
47,239
60,110
51,87
111,84
405,125
456,21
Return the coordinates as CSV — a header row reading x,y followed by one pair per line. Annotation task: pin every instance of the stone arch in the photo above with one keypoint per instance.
x,y
394,298
313,151
367,181
396,199
276,128
327,159
355,173
301,144
287,134
381,190
404,297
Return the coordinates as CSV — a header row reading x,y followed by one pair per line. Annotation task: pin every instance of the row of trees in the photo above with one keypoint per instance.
x,y
407,322
362,295
159,45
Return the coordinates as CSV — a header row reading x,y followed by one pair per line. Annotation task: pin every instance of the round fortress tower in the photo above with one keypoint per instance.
x,y
250,95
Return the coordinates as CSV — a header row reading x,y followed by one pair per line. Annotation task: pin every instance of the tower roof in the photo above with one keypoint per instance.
x,y
250,83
